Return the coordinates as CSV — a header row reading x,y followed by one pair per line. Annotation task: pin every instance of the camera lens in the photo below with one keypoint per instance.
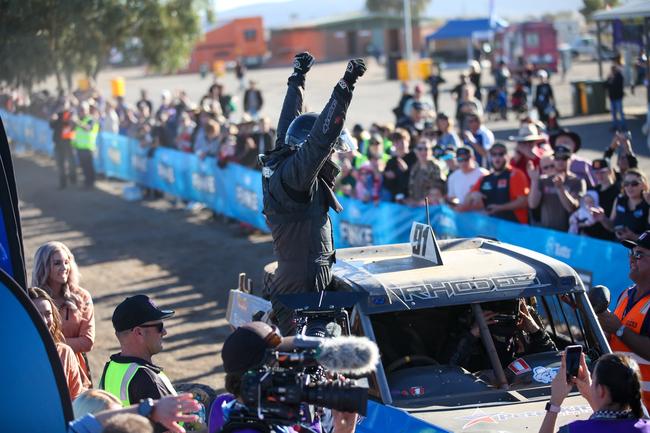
x,y
338,397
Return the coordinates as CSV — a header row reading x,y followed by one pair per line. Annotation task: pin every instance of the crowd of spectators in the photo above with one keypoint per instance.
x,y
447,158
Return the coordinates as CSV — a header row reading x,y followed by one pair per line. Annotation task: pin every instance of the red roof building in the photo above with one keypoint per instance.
x,y
240,38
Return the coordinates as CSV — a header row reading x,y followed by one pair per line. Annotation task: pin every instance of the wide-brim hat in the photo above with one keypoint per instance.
x,y
572,135
527,132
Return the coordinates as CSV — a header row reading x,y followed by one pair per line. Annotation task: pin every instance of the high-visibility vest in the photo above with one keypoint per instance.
x,y
118,376
86,139
67,131
633,320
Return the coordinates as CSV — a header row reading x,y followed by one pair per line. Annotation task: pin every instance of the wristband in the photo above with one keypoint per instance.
x,y
552,408
145,408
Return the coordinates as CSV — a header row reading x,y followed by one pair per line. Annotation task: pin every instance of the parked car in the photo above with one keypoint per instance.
x,y
587,47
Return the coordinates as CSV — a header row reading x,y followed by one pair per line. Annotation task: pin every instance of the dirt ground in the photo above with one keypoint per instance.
x,y
184,261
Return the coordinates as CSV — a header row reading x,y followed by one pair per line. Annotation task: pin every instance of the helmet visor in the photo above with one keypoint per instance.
x,y
346,142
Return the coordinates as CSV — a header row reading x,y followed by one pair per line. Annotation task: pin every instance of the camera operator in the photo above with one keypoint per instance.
x,y
243,350
298,179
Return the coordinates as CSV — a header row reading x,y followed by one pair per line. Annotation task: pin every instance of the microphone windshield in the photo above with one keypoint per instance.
x,y
348,355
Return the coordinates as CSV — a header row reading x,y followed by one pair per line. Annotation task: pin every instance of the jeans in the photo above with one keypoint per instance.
x,y
64,156
618,118
87,166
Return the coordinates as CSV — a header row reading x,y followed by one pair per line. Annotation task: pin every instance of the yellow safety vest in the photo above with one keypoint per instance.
x,y
118,376
86,139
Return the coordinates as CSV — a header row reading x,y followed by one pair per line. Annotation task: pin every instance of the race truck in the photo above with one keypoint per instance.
x,y
417,301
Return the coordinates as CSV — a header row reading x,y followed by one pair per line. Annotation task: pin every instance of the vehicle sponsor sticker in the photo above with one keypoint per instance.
x,y
479,416
519,366
544,375
416,391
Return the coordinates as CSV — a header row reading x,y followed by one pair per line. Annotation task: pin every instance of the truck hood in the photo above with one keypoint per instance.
x,y
517,417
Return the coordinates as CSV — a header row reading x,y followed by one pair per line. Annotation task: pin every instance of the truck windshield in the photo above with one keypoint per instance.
x,y
436,356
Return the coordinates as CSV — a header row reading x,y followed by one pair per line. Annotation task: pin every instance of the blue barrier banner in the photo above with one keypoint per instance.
x,y
142,167
240,192
114,155
170,172
236,191
203,178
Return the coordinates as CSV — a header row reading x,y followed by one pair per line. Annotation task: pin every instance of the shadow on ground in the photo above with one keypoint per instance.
x,y
185,262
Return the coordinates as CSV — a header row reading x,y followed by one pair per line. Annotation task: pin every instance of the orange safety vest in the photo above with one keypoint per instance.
x,y
67,131
633,320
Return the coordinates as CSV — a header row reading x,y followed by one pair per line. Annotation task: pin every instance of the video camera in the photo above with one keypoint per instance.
x,y
292,378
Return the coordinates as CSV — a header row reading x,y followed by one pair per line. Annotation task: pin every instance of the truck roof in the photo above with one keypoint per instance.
x,y
474,270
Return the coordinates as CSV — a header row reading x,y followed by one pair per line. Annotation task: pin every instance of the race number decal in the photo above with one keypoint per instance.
x,y
423,243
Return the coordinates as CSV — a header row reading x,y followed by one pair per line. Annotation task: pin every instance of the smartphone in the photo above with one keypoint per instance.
x,y
573,354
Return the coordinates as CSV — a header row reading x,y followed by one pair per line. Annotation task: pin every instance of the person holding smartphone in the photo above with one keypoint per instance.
x,y
613,391
631,211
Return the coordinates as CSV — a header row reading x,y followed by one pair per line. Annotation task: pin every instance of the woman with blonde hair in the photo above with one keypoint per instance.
x,y
93,401
56,272
45,306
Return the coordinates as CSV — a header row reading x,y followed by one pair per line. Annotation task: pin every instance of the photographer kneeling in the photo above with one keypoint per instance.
x,y
246,349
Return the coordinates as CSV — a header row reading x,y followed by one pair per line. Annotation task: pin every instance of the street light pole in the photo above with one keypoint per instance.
x,y
408,37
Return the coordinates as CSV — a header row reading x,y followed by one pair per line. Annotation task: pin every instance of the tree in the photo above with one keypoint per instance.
x,y
43,37
591,6
396,6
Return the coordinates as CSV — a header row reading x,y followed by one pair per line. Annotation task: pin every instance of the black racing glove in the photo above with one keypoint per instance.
x,y
302,62
355,69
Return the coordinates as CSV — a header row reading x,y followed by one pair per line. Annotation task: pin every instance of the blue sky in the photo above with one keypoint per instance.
x,y
224,5
444,8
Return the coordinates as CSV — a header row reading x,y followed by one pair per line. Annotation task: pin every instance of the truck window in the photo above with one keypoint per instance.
x,y
561,320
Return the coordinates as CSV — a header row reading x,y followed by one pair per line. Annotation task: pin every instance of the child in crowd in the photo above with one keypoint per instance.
x,y
584,215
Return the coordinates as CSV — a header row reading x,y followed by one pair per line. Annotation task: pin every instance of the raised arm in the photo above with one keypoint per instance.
x,y
302,170
292,105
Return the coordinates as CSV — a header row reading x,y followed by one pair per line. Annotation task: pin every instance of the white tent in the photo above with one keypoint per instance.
x,y
633,10
630,10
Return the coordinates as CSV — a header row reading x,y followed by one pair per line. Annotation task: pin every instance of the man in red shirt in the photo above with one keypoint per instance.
x,y
503,192
530,147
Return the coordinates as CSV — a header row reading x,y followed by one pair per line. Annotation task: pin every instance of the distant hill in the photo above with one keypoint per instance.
x,y
283,13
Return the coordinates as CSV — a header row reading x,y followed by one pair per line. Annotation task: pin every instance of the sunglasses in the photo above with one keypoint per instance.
x,y
636,255
561,157
547,167
421,148
159,326
462,158
631,183
497,154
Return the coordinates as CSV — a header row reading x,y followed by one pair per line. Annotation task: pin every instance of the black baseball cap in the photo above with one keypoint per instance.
x,y
643,241
599,164
246,346
464,151
562,152
498,145
136,310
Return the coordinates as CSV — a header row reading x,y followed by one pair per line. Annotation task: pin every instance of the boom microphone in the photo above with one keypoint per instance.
x,y
346,355
349,355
